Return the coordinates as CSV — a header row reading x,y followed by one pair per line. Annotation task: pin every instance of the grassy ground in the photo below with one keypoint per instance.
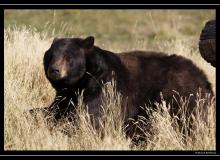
x,y
28,33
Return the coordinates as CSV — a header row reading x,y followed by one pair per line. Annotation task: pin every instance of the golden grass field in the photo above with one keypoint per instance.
x,y
26,87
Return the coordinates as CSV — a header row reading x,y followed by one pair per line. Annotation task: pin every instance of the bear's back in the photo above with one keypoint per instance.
x,y
157,63
151,72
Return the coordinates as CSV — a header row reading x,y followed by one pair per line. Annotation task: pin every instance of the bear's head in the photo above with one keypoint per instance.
x,y
65,60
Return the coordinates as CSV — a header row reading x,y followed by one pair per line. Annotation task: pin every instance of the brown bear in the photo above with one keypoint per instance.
x,y
75,65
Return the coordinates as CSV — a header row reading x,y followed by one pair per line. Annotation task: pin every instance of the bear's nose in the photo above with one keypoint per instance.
x,y
54,73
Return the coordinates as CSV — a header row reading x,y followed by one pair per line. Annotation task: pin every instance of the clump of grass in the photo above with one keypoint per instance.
x,y
110,135
168,133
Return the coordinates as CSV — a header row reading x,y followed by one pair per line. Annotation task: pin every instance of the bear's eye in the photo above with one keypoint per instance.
x,y
68,57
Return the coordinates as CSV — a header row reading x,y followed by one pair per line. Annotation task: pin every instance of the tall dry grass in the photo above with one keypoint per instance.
x,y
26,87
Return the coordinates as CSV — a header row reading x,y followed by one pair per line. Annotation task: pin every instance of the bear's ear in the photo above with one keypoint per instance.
x,y
88,42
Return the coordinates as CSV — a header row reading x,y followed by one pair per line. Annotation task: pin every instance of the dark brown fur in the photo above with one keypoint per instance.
x,y
140,77
207,43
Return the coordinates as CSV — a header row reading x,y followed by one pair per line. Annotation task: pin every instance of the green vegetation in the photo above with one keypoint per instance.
x,y
114,26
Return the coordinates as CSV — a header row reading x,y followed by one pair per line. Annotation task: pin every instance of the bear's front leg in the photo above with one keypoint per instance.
x,y
39,116
93,101
60,108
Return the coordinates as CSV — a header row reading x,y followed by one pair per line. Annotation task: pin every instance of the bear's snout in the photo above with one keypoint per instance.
x,y
57,72
54,73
